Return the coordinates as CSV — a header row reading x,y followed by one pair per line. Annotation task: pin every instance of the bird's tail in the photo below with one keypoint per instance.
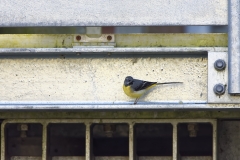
x,y
168,83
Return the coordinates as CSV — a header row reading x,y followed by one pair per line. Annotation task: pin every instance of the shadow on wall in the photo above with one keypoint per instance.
x,y
117,30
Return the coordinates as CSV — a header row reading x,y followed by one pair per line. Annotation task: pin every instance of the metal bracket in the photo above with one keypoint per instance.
x,y
218,79
104,40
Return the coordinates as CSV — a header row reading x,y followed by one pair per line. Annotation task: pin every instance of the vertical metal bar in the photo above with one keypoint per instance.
x,y
233,47
214,125
44,141
131,141
175,142
3,141
88,142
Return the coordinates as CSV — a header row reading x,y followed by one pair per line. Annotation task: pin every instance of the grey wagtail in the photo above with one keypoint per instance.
x,y
135,88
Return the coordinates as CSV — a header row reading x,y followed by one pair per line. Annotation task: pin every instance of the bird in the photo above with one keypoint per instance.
x,y
135,88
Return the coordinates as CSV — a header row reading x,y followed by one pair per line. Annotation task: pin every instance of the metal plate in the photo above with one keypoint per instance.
x,y
215,77
113,13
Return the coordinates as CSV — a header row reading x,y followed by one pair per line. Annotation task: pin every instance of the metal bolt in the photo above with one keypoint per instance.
x,y
219,89
23,128
109,129
192,128
219,65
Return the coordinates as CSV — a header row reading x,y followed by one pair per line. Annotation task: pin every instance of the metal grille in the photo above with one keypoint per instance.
x,y
96,139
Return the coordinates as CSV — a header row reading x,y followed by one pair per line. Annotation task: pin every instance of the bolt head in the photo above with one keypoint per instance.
x,y
219,89
109,129
192,126
219,64
22,127
192,134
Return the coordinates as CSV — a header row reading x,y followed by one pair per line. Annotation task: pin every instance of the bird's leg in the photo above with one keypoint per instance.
x,y
135,102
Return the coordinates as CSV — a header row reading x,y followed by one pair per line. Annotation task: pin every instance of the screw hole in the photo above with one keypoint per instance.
x,y
78,38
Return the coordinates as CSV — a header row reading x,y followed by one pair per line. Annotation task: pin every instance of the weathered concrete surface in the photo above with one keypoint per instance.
x,y
229,144
113,13
100,79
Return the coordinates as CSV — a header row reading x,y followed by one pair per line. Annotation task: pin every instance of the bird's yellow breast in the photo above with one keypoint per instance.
x,y
129,92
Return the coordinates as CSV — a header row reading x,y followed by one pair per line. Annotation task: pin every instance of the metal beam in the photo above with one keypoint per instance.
x,y
121,40
175,142
120,114
140,106
80,50
234,47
